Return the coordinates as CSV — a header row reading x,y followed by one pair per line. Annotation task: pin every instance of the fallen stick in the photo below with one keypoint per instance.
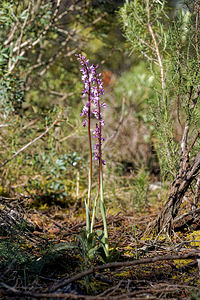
x,y
51,294
194,255
14,292
30,143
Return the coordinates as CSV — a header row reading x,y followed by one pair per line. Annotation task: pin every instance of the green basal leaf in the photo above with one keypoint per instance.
x,y
64,246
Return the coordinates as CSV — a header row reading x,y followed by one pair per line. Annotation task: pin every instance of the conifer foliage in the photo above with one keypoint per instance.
x,y
172,48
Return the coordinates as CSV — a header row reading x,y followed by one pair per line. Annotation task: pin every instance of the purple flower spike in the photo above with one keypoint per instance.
x,y
93,88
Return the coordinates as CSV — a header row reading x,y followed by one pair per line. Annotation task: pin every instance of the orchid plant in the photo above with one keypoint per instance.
x,y
92,91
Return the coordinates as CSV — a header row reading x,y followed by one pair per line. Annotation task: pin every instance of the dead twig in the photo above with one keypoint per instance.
x,y
51,294
183,216
197,194
12,291
162,74
194,141
30,143
191,255
158,289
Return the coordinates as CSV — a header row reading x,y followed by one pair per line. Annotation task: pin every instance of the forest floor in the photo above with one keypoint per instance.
x,y
51,261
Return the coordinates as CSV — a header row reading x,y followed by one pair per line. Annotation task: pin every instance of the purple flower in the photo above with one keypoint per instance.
x,y
85,123
93,88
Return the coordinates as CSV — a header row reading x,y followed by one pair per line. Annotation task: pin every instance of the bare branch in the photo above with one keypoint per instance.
x,y
194,141
195,168
28,44
49,25
22,45
150,58
187,125
147,44
31,142
157,50
184,139
191,255
197,194
11,34
5,125
18,42
197,8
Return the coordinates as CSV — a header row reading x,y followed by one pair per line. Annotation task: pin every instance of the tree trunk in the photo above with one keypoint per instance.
x,y
179,187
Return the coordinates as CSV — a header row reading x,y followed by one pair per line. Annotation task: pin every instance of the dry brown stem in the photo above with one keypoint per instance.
x,y
162,74
52,294
192,255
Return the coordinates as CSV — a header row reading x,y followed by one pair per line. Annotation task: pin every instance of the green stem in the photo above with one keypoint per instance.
x,y
88,223
103,213
100,187
89,185
93,212
90,150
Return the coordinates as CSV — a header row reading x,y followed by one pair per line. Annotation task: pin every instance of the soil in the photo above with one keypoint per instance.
x,y
48,259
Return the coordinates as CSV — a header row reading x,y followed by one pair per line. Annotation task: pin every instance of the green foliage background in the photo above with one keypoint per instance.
x,y
40,77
